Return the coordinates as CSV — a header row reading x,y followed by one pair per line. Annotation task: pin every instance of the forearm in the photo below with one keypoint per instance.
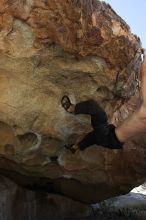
x,y
133,126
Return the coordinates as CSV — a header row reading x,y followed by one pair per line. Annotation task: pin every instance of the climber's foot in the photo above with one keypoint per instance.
x,y
73,148
67,105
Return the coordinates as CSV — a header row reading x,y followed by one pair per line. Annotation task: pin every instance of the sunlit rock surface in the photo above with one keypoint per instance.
x,y
77,48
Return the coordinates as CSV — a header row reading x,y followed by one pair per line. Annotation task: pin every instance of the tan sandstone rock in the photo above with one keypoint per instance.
x,y
77,48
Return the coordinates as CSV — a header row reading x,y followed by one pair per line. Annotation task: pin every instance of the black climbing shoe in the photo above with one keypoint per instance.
x,y
66,104
73,148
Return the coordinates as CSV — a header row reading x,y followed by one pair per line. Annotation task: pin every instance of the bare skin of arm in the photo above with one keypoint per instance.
x,y
136,123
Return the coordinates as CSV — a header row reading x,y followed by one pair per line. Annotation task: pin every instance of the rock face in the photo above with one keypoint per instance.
x,y
77,48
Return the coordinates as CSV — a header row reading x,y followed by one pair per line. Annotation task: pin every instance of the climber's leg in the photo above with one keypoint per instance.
x,y
103,133
98,115
87,141
90,107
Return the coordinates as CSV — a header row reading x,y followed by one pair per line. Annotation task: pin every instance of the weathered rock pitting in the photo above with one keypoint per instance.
x,y
81,49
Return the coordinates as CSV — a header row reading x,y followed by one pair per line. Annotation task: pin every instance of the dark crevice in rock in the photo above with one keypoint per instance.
x,y
27,139
29,142
54,158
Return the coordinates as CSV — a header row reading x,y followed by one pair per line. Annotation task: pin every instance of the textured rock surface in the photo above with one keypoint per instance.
x,y
82,49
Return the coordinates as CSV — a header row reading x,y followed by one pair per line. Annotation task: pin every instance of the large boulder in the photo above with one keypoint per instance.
x,y
77,48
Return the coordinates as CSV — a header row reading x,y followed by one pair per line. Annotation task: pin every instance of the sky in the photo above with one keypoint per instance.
x,y
134,13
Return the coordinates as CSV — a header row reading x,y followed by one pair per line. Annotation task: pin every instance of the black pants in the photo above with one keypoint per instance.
x,y
103,133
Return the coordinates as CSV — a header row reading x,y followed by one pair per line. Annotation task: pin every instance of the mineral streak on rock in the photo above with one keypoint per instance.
x,y
78,48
